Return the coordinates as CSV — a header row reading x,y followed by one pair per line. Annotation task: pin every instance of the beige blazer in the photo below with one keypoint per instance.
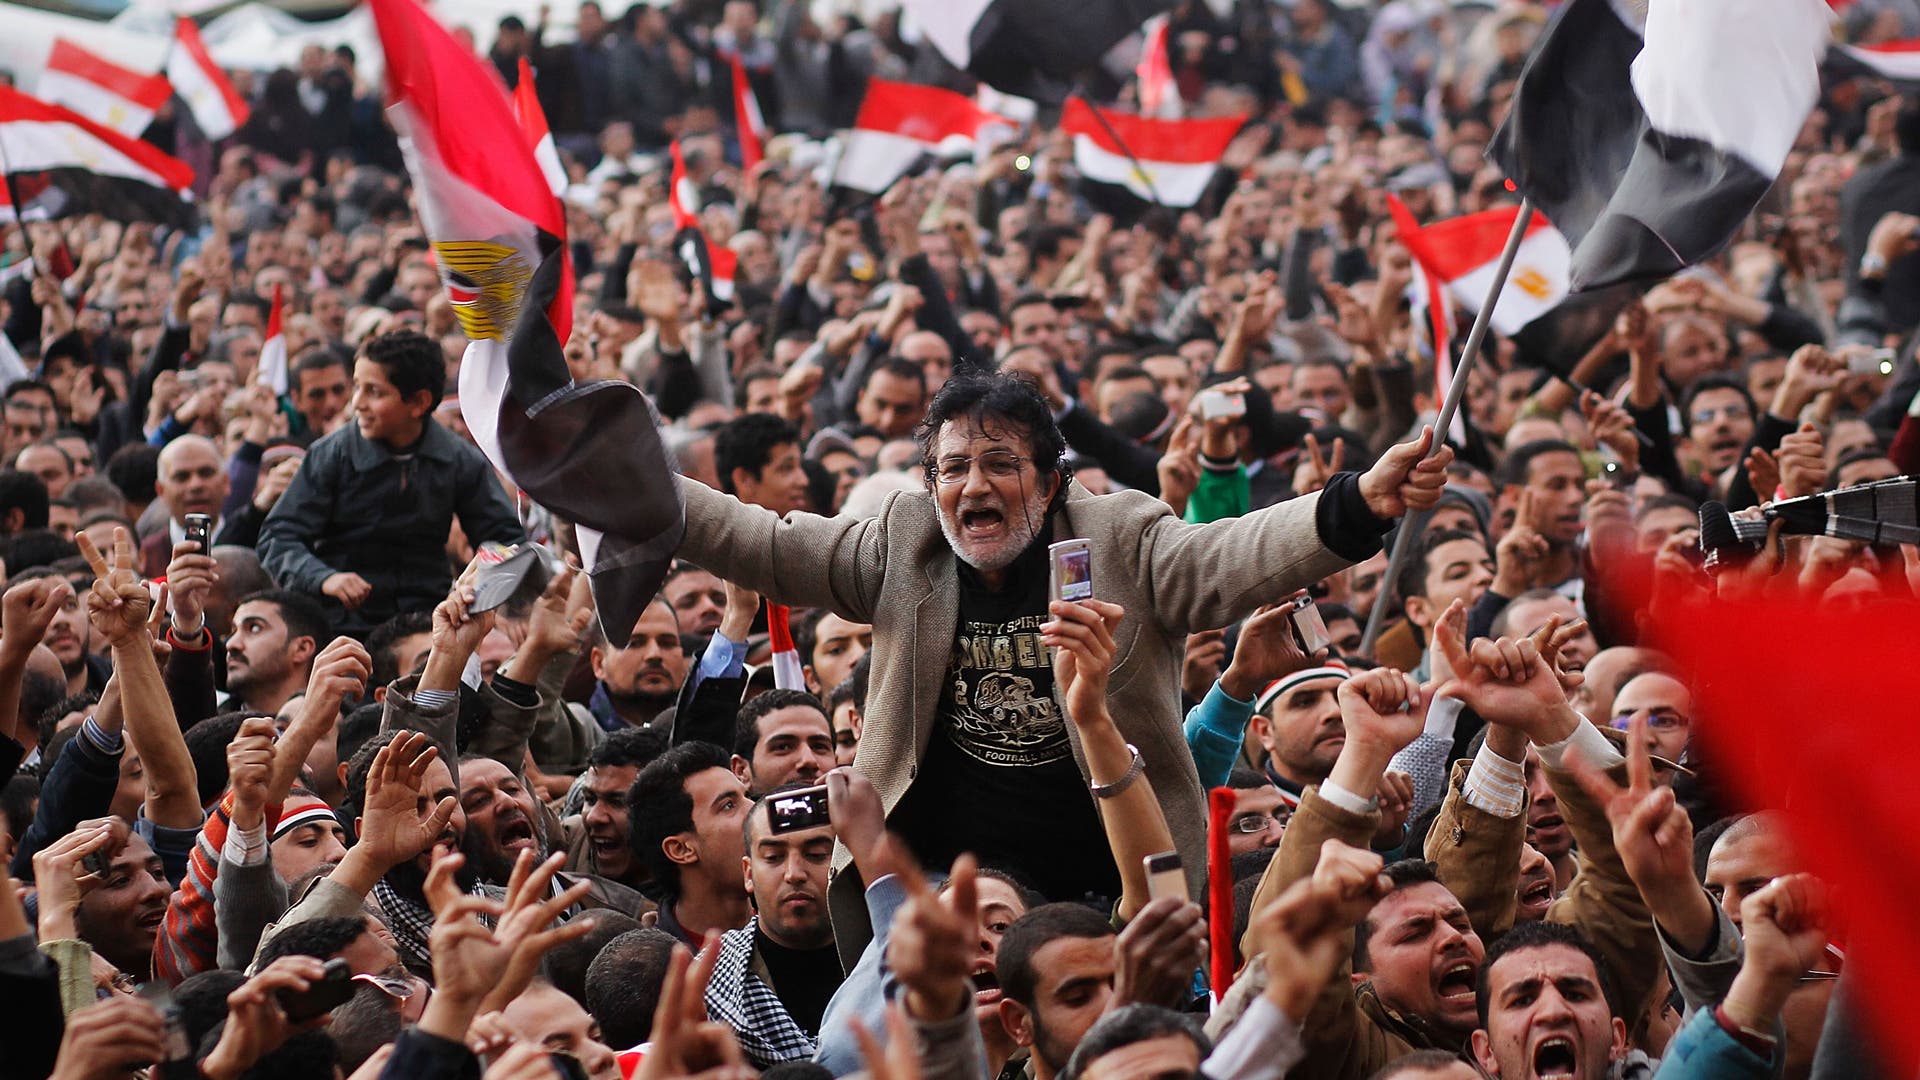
x,y
897,572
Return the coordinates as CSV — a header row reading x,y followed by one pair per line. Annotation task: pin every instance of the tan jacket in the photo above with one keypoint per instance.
x,y
1477,855
897,572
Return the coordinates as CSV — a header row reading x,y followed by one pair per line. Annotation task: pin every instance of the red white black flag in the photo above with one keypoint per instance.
x,y
1168,162
901,123
60,163
589,452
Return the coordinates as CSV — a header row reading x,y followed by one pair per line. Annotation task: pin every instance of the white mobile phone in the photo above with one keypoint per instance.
x,y
1071,576
1871,361
1309,629
1165,877
1215,404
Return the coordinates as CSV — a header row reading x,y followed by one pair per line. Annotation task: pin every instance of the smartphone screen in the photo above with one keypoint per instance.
x,y
1072,570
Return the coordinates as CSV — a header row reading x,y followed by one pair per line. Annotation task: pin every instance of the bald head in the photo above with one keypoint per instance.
x,y
193,478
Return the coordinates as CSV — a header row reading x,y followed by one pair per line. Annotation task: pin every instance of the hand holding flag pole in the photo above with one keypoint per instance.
x,y
1415,523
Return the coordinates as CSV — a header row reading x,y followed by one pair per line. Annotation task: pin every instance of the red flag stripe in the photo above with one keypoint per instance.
x,y
1457,246
1181,142
450,93
186,36
149,91
925,114
30,130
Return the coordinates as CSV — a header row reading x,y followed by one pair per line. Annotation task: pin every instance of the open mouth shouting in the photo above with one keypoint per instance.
x,y
1554,1058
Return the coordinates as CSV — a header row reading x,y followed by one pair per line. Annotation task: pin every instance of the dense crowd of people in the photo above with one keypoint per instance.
x,y
282,800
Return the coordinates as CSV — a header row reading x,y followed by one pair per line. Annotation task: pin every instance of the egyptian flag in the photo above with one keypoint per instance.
x,y
683,195
1896,61
533,121
216,106
1461,254
60,164
749,124
901,123
101,90
1154,75
712,266
273,351
1164,162
589,452
788,673
1648,153
1035,48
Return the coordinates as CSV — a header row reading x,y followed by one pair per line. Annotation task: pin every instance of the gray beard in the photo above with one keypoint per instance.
x,y
1020,533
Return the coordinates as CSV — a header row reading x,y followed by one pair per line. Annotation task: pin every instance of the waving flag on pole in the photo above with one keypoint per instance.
x,y
749,124
533,120
589,452
1035,48
683,195
216,106
1154,75
1169,162
901,123
1649,152
59,164
100,89
273,351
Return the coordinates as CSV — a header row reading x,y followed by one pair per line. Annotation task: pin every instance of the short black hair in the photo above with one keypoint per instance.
x,y
1032,932
318,358
1413,576
38,547
201,999
1537,935
566,964
1010,403
369,1020
362,763
356,728
1520,459
135,470
412,360
302,613
746,724
748,442
900,368
27,493
628,746
381,642
322,939
1130,1024
1403,874
45,698
207,743
658,806
624,984
1716,380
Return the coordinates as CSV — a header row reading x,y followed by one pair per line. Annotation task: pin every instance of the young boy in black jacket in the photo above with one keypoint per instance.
x,y
364,524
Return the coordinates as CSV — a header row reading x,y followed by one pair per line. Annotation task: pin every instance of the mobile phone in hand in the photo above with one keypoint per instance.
x,y
1071,574
327,993
199,530
1165,877
794,811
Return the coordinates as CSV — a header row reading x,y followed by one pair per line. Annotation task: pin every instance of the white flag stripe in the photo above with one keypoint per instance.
x,y
873,160
95,102
202,90
39,145
949,25
1740,75
1902,64
1542,274
1173,184
549,159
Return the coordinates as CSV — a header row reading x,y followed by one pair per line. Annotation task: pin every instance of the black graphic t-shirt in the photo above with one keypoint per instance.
x,y
999,778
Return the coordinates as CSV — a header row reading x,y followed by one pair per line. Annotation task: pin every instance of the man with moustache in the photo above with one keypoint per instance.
x,y
969,744
636,683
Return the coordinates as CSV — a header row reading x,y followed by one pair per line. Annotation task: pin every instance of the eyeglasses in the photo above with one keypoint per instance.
x,y
1735,411
1253,824
1657,719
998,465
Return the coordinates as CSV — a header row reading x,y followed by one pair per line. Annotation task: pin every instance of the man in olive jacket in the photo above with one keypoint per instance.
x,y
965,738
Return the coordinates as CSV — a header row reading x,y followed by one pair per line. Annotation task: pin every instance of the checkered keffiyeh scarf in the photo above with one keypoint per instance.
x,y
743,1001
412,922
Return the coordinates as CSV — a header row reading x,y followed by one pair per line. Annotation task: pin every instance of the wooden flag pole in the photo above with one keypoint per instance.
x,y
1415,524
